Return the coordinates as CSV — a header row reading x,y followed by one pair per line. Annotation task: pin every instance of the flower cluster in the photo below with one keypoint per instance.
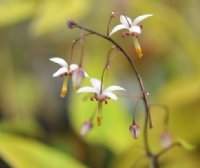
x,y
99,94
103,95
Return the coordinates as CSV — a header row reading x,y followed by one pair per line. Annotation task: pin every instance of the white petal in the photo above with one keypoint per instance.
x,y
135,29
96,83
86,74
72,67
126,20
86,89
110,95
60,72
117,28
112,88
59,61
77,77
141,18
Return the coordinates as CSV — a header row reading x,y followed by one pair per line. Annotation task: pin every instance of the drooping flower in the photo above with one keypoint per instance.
x,y
132,29
100,94
132,26
134,130
86,127
66,70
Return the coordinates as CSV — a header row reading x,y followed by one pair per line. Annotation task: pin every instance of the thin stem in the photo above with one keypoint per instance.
x,y
104,70
74,42
154,162
166,110
109,58
108,26
133,122
129,24
144,93
71,51
108,61
82,49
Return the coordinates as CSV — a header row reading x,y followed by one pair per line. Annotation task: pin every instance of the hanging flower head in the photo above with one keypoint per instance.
x,y
66,70
100,94
132,28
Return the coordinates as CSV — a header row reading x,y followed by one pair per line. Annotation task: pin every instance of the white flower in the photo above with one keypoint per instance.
x,y
64,69
132,26
73,70
100,94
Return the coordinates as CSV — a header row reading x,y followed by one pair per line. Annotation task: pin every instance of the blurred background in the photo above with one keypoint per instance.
x,y
40,129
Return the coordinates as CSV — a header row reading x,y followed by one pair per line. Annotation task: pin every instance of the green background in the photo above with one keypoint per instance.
x,y
40,129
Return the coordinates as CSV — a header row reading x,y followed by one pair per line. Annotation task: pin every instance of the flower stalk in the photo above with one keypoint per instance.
x,y
140,81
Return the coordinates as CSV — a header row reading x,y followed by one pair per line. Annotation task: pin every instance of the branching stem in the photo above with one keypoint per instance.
x,y
144,93
151,155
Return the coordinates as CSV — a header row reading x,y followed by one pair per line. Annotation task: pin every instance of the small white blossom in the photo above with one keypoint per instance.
x,y
132,26
64,69
100,94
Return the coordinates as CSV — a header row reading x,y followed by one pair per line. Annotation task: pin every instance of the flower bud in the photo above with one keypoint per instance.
x,y
113,14
77,77
86,127
166,139
71,24
134,130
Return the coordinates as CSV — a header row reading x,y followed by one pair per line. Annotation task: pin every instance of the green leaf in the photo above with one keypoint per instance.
x,y
21,152
185,145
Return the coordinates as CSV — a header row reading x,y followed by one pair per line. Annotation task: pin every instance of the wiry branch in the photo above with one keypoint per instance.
x,y
153,157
